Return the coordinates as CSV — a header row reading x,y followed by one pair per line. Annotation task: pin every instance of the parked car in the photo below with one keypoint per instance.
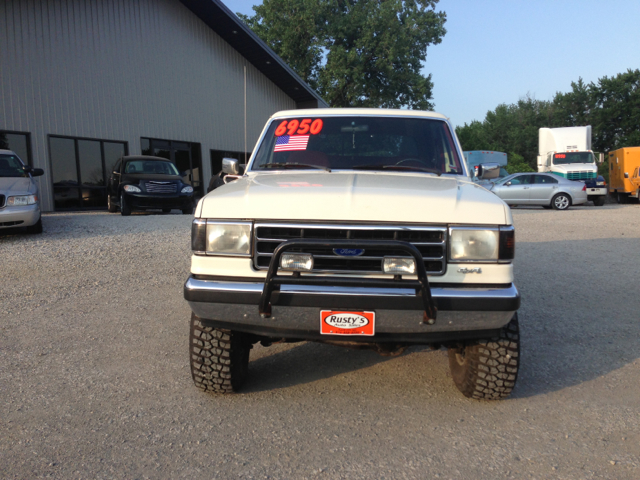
x,y
19,198
140,182
544,189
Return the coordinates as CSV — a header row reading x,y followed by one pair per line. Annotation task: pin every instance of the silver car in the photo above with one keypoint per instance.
x,y
544,189
19,202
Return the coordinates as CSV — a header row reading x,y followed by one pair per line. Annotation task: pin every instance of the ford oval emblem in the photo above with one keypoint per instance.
x,y
346,320
348,252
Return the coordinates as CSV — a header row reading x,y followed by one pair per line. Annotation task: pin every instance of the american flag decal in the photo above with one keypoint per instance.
x,y
287,143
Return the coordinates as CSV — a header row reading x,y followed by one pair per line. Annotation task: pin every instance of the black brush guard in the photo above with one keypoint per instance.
x,y
421,285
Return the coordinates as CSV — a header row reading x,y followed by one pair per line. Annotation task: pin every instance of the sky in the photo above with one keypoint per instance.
x,y
498,51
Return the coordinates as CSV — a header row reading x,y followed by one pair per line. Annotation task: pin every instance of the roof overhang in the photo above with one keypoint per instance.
x,y
234,31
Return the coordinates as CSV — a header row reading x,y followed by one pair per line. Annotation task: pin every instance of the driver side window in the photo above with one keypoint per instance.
x,y
521,180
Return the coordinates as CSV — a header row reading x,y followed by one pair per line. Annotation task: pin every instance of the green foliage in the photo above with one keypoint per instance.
x,y
517,164
355,53
611,106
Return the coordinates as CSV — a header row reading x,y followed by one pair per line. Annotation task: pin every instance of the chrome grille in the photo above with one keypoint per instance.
x,y
430,241
161,187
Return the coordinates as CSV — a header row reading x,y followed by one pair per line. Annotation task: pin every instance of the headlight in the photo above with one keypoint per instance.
x,y
131,189
213,237
21,200
187,189
469,244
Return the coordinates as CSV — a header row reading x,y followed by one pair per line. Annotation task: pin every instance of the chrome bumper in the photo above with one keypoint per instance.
x,y
399,312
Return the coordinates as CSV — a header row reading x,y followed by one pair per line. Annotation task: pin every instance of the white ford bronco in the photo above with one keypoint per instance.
x,y
361,228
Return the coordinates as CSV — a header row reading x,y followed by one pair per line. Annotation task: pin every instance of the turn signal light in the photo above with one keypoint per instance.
x,y
507,249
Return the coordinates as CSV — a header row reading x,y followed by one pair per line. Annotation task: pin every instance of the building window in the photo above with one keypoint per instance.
x,y
186,157
19,142
79,168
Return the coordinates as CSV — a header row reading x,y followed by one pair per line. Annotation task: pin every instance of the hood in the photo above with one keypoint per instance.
x,y
136,177
363,197
17,186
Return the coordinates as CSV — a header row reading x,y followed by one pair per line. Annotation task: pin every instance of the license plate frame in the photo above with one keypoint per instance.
x,y
353,321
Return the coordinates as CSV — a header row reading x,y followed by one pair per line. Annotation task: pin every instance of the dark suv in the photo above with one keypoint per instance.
x,y
141,182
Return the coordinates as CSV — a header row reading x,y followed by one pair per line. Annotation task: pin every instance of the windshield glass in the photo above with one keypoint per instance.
x,y
359,143
156,167
11,166
573,157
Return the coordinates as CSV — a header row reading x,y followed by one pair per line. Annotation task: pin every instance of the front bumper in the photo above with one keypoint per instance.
x,y
20,216
149,200
463,312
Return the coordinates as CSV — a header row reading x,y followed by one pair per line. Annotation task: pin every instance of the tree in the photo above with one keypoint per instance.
x,y
355,53
616,111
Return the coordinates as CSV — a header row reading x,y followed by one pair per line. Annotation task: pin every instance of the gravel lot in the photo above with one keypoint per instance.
x,y
95,383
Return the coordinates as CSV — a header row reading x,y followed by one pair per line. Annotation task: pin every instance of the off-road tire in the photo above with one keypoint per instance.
x,y
219,358
125,209
488,369
111,208
598,201
558,203
36,227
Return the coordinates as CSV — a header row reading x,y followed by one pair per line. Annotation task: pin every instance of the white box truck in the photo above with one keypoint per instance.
x,y
567,153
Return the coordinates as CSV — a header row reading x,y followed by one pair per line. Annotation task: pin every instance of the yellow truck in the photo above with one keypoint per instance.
x,y
624,173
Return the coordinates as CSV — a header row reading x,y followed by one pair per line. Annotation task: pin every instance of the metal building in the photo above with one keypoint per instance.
x,y
83,82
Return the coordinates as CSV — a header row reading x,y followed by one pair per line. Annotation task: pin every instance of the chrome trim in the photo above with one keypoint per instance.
x,y
219,286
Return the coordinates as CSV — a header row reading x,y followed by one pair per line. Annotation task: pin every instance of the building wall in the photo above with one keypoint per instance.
x,y
121,70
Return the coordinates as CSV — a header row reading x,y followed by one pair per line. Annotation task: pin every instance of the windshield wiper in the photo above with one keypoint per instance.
x,y
397,167
292,165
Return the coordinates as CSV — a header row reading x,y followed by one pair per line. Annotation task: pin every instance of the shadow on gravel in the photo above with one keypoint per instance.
x,y
306,363
579,316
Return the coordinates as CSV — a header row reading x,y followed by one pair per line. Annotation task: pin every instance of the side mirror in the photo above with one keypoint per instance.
x,y
626,174
508,183
230,166
487,171
37,172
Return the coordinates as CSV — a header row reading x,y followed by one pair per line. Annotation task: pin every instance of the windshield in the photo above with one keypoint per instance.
x,y
359,143
573,157
11,166
157,167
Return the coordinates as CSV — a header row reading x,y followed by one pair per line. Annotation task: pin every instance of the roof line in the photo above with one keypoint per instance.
x,y
236,33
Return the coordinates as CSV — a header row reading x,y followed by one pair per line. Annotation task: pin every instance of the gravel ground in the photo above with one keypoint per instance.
x,y
95,383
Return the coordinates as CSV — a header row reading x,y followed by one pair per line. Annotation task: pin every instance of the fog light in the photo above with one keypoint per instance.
x,y
296,262
399,265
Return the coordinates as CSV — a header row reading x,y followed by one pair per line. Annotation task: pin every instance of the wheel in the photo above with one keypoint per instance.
x,y
598,201
111,208
166,210
622,198
125,209
488,369
188,210
219,358
35,228
561,201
